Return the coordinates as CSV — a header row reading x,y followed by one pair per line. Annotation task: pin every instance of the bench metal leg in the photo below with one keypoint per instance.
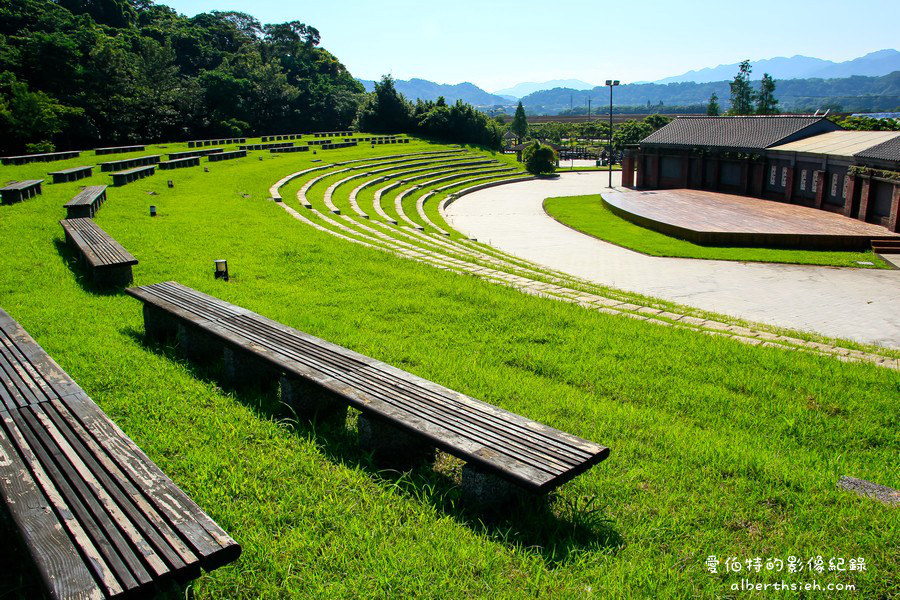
x,y
311,401
485,491
196,344
243,369
391,445
159,325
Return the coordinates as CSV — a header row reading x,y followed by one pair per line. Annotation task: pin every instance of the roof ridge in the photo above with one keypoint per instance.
x,y
792,116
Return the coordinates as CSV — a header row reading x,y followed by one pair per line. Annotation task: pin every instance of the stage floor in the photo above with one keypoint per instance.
x,y
717,219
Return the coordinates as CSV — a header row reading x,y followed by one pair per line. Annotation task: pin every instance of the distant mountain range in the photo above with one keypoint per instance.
x,y
870,82
428,90
523,89
877,63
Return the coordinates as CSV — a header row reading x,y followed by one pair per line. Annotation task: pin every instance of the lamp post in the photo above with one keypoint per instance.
x,y
611,83
221,271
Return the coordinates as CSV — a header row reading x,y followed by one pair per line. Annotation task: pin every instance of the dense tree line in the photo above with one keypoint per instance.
x,y
387,110
78,73
81,72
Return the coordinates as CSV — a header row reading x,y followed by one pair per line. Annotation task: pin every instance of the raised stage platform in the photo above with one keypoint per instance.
x,y
717,219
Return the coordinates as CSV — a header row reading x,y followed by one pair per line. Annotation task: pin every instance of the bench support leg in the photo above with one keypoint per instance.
x,y
242,369
159,326
197,345
390,445
486,491
113,276
309,401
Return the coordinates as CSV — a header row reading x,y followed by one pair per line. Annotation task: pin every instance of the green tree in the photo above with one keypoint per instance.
x,y
386,110
766,104
540,159
519,125
742,91
712,109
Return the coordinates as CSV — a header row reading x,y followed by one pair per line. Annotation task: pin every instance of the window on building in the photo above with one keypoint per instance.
x,y
772,175
803,180
834,185
846,186
783,176
814,186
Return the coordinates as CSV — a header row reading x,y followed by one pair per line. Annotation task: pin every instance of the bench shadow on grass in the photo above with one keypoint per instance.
x,y
75,264
555,528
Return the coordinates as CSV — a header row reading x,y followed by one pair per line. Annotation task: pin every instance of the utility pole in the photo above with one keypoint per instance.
x,y
611,83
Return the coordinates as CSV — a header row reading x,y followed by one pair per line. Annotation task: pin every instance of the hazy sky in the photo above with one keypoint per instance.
x,y
495,44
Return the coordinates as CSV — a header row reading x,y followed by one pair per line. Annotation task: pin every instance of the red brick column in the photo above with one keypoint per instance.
x,y
789,185
820,187
894,214
628,171
864,193
851,189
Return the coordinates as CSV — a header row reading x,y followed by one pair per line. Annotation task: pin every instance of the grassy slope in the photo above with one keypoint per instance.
x,y
588,214
717,448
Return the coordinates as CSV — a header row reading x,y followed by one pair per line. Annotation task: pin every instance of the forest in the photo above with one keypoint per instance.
x,y
81,73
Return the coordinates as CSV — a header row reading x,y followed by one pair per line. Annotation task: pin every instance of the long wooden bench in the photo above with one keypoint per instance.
x,y
402,415
201,143
130,163
24,159
95,515
107,261
117,150
125,177
21,190
86,203
189,153
180,163
226,155
73,174
289,149
268,146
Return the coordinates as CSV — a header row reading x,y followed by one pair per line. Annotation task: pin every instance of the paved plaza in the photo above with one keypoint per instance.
x,y
857,304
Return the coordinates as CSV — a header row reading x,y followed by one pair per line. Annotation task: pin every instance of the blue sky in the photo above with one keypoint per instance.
x,y
498,43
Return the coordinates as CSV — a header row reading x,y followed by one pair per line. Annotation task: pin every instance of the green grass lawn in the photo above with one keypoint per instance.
x,y
718,448
589,215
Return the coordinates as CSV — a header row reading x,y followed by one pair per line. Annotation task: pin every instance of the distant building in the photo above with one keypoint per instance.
x,y
789,158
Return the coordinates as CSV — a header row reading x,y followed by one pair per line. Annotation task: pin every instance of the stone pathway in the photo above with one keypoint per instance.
x,y
857,304
466,257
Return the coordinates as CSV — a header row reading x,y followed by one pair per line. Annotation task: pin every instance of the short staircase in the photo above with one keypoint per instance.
x,y
886,245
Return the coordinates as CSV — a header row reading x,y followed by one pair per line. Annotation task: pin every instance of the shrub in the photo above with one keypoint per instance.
x,y
39,147
540,159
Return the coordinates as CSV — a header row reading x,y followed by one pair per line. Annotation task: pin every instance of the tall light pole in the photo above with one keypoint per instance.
x,y
611,83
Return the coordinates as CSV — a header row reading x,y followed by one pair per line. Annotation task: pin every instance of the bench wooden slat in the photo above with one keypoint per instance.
x,y
98,248
533,455
63,572
97,516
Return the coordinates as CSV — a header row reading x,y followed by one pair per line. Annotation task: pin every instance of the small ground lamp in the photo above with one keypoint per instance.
x,y
222,269
152,210
171,183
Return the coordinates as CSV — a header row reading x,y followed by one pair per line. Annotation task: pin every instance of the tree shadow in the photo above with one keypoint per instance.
x,y
556,528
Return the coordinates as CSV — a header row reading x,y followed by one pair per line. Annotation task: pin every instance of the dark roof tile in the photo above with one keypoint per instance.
x,y
889,150
736,133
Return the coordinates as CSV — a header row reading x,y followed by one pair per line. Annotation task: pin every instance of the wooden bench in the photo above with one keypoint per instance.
x,y
21,190
43,157
130,163
125,177
402,415
107,261
180,163
118,150
73,174
86,203
95,515
201,143
226,155
288,149
189,153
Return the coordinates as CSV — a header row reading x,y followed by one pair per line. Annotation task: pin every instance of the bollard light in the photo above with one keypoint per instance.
x,y
152,210
206,169
222,269
260,158
171,183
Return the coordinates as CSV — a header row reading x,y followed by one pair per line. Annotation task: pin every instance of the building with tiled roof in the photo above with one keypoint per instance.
x,y
801,159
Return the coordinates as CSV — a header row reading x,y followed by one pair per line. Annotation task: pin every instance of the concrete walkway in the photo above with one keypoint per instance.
x,y
857,304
